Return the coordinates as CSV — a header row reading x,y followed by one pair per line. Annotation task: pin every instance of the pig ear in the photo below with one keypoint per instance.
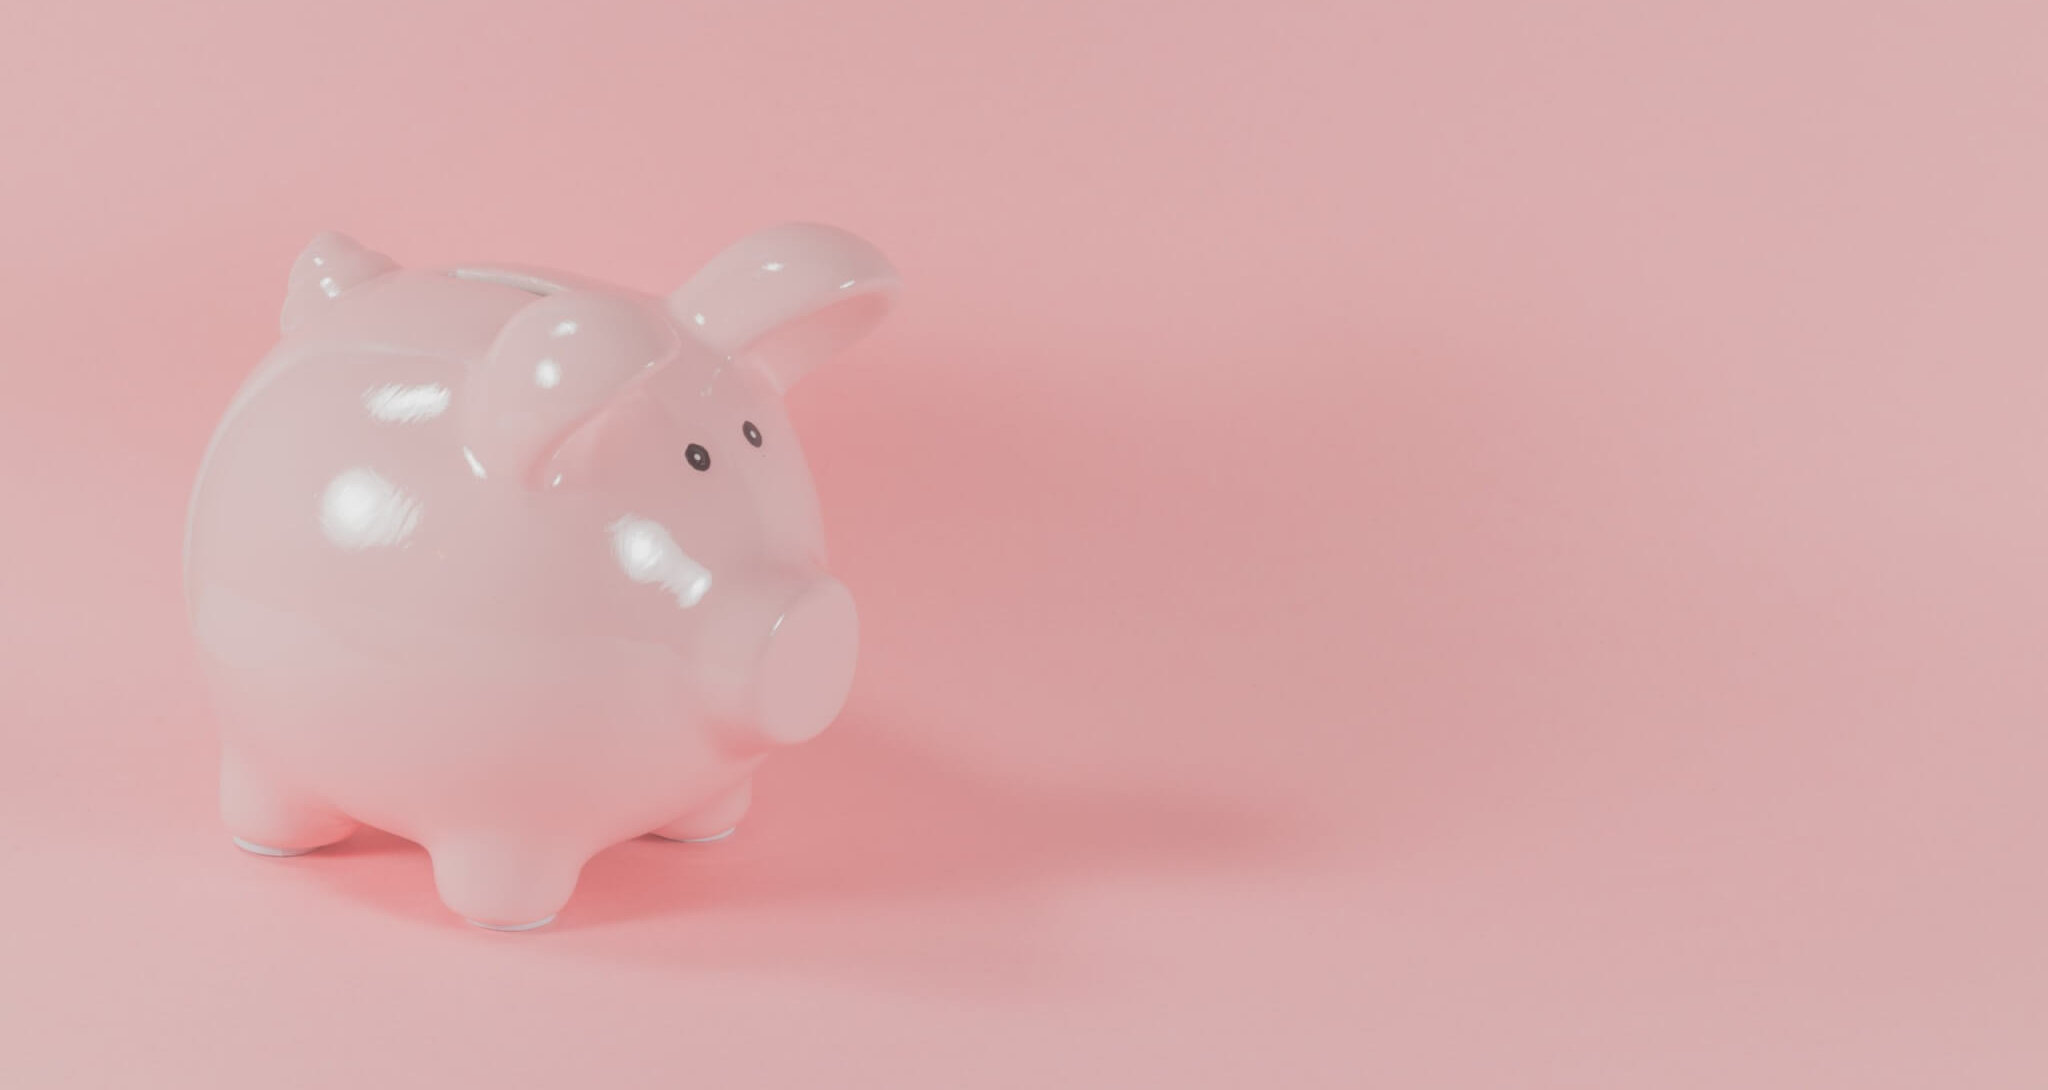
x,y
556,363
330,265
789,296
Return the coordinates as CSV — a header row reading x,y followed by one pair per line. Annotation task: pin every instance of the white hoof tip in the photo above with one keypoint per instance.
x,y
513,926
712,839
265,849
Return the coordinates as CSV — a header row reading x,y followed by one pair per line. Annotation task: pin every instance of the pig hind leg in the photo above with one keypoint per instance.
x,y
268,817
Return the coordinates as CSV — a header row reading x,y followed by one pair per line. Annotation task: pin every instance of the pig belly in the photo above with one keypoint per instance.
x,y
581,738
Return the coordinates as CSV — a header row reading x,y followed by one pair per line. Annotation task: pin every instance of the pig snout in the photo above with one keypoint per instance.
x,y
806,668
779,654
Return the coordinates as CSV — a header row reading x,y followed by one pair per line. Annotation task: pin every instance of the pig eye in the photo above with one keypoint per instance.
x,y
699,458
752,433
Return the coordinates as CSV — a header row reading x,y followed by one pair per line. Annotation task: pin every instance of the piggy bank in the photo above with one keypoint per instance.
x,y
519,565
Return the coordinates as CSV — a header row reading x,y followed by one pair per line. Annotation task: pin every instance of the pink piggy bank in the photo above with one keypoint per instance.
x,y
517,565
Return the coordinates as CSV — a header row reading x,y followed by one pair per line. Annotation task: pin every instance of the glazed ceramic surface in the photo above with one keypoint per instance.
x,y
518,565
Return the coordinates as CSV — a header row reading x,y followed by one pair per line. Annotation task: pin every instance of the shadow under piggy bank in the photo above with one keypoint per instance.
x,y
866,857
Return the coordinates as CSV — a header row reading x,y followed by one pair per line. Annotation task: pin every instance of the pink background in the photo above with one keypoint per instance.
x,y
1400,544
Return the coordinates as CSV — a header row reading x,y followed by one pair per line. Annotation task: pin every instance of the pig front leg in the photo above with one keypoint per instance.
x,y
715,821
505,884
269,818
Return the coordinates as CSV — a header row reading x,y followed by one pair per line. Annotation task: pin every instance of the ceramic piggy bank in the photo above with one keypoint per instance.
x,y
518,565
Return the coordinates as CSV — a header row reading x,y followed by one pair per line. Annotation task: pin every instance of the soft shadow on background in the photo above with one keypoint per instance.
x,y
938,876
1055,699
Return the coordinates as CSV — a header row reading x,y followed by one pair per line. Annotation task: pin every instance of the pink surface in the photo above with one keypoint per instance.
x,y
1452,548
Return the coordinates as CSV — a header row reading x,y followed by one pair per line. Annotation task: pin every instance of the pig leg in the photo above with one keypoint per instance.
x,y
715,821
503,884
270,818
